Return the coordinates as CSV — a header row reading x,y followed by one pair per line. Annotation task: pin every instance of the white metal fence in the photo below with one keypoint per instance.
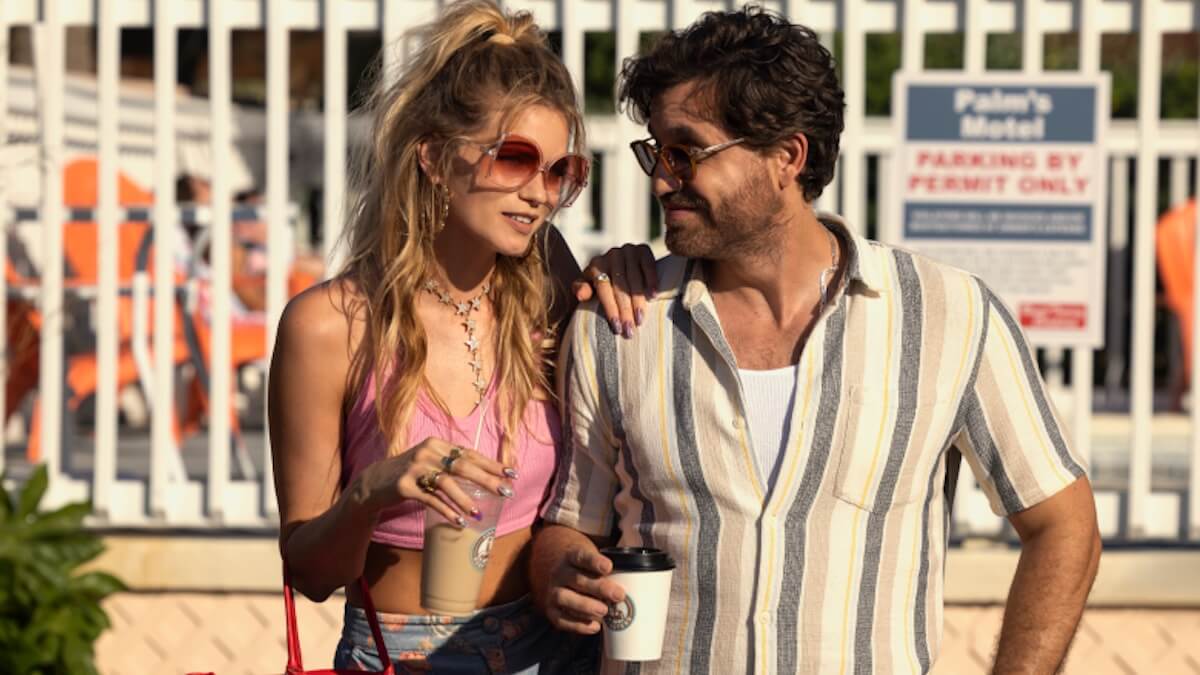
x,y
170,498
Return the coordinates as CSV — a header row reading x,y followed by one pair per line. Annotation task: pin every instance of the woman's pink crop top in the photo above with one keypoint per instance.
x,y
404,525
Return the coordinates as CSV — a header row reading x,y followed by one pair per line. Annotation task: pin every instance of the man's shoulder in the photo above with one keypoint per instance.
x,y
946,293
924,265
673,273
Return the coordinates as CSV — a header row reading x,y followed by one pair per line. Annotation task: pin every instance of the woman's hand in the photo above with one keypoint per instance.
x,y
623,279
423,472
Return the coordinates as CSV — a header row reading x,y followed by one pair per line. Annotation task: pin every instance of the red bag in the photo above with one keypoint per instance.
x,y
294,664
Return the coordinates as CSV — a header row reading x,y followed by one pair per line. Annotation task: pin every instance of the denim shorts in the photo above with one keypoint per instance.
x,y
509,638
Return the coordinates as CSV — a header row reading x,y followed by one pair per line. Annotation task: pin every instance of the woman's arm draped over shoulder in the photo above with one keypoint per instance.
x,y
630,280
324,533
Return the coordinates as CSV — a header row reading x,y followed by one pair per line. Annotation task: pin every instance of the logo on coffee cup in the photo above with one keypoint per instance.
x,y
620,614
483,548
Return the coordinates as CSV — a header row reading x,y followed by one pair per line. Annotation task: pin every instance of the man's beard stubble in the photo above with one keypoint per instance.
x,y
744,225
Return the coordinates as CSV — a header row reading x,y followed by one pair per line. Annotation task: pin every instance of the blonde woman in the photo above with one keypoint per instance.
x,y
433,335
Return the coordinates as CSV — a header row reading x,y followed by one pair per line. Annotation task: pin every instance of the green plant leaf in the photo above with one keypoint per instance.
x,y
97,585
53,648
92,618
58,620
6,584
68,553
71,515
32,493
50,618
13,549
78,658
33,581
22,657
40,533
6,502
51,532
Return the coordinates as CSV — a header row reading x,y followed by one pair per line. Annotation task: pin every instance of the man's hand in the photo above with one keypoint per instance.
x,y
580,593
1060,554
570,580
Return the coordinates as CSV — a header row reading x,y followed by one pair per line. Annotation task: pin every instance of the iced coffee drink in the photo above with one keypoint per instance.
x,y
454,558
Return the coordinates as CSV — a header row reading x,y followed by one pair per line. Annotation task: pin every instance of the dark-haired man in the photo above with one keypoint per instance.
x,y
788,422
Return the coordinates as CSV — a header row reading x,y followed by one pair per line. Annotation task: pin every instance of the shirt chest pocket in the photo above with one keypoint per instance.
x,y
886,443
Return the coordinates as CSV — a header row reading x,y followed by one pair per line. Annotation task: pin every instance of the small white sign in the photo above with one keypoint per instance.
x,y
1003,175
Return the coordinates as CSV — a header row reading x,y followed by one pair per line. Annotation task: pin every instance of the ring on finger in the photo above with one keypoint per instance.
x,y
602,278
449,460
428,482
424,484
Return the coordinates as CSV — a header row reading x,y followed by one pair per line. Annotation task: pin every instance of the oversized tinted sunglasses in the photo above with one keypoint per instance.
x,y
679,160
511,162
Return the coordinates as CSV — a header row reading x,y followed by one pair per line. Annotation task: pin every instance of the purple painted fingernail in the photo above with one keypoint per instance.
x,y
640,316
462,522
510,472
505,491
476,514
628,331
616,326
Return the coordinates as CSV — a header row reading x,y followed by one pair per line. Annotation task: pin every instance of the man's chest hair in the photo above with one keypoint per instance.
x,y
759,344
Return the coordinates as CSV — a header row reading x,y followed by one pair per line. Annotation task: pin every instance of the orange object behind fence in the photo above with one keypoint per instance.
x,y
80,245
1175,237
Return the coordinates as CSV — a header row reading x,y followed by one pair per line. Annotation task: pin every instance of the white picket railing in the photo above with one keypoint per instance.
x,y
170,498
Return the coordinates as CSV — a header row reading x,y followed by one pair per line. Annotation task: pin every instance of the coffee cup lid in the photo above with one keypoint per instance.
x,y
636,559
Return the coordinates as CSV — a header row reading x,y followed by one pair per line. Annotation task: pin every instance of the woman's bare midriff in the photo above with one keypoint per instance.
x,y
394,575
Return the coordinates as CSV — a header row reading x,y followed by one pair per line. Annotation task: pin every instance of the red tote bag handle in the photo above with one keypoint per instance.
x,y
295,664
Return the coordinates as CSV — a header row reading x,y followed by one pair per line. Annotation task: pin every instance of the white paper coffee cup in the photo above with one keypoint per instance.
x,y
633,628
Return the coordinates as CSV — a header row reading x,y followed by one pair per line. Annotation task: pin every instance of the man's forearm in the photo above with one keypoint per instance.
x,y
1053,579
550,545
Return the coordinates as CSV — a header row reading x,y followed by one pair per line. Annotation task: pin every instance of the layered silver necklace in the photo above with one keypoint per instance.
x,y
463,310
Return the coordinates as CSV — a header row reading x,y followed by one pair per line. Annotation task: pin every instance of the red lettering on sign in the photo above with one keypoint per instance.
x,y
1053,316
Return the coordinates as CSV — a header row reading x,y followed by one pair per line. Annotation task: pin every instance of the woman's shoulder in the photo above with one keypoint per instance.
x,y
327,319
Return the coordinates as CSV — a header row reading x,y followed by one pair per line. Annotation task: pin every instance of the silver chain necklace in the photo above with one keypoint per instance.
x,y
828,273
463,310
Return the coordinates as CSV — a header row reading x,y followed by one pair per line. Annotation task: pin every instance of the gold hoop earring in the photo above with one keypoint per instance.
x,y
443,195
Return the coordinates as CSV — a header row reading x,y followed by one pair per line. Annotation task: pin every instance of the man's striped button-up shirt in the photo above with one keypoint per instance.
x,y
837,566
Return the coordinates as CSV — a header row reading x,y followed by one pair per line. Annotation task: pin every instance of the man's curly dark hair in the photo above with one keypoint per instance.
x,y
764,78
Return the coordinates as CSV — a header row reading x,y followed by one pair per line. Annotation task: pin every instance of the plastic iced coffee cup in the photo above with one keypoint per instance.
x,y
454,558
633,628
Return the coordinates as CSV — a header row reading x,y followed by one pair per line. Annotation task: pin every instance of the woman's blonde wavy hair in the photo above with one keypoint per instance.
x,y
476,59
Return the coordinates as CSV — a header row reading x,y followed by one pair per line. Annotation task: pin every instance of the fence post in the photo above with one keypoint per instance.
x,y
335,136
625,194
49,58
219,254
277,201
164,460
6,224
1142,376
573,220
108,44
853,169
1193,489
974,38
1083,358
